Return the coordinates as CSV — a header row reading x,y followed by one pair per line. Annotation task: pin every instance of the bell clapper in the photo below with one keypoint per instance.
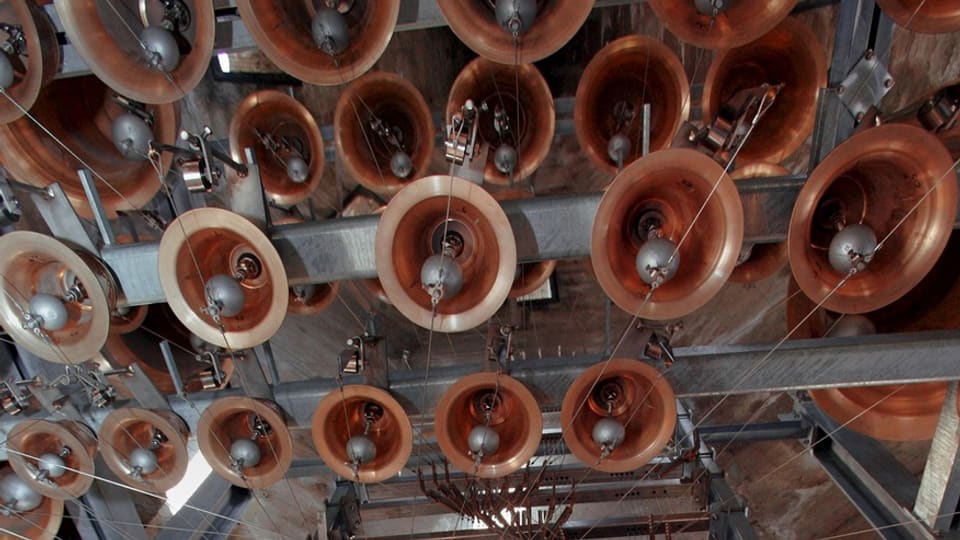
x,y
16,496
711,8
288,153
482,439
360,448
329,28
657,260
392,136
440,274
516,16
608,432
853,247
143,461
48,312
245,452
225,296
51,466
14,45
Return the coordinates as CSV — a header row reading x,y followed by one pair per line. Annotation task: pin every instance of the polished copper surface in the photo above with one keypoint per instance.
x,y
41,523
765,259
141,347
230,418
645,406
926,16
674,183
127,429
875,178
129,320
205,242
632,70
888,412
516,418
404,241
742,22
30,439
529,276
101,31
35,263
341,415
473,21
40,61
791,55
398,104
497,85
282,31
79,112
280,116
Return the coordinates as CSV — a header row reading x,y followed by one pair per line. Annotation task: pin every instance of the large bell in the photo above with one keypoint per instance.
x,y
54,458
223,278
153,52
855,198
325,46
362,433
56,301
145,448
640,220
465,263
791,55
32,63
618,415
529,276
488,424
608,111
81,112
512,31
31,514
720,24
515,113
246,441
384,132
926,16
286,140
758,261
141,347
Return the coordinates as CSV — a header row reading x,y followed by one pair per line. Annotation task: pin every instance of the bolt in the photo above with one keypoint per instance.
x,y
888,83
859,116
841,89
869,55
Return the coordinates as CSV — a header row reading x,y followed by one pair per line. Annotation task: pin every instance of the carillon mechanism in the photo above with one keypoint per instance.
x,y
24,512
619,81
857,199
720,24
788,57
29,56
101,133
923,16
54,459
384,132
223,278
511,109
362,433
327,42
515,31
644,215
286,141
154,51
246,441
56,301
529,276
145,448
724,137
618,415
488,424
757,261
445,253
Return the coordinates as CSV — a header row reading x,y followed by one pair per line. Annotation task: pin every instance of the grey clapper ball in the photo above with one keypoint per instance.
x,y
144,460
298,171
360,449
51,311
400,165
442,269
225,292
516,16
710,7
131,136
505,159
53,464
6,71
330,31
245,452
608,433
483,440
853,239
162,50
654,253
18,495
618,148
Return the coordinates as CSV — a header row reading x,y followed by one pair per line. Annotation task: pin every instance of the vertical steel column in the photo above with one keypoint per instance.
x,y
939,494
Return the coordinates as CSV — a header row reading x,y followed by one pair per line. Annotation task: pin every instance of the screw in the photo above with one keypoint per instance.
x,y
888,83
869,55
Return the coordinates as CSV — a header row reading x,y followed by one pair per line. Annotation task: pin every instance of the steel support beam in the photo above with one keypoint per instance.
x,y
877,485
939,493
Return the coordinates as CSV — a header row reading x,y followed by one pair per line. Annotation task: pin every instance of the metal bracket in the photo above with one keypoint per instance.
x,y
10,211
61,218
865,85
343,513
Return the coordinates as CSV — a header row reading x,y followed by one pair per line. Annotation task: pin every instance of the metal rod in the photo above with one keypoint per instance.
x,y
646,129
167,353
